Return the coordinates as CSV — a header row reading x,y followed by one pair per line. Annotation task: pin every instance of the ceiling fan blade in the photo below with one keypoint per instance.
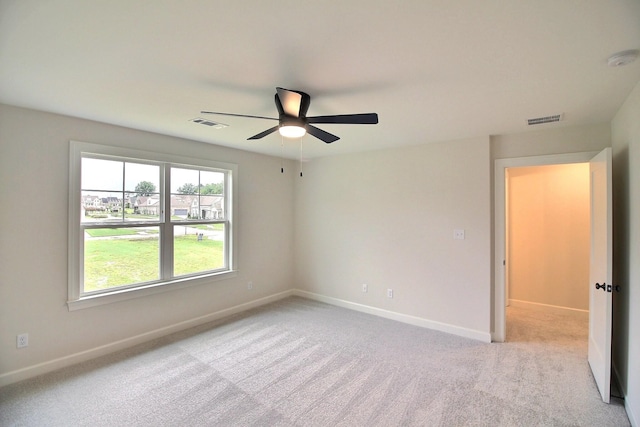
x,y
323,135
355,119
237,115
264,133
291,101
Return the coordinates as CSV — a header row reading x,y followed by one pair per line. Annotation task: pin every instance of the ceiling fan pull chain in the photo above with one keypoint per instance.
x,y
281,153
301,138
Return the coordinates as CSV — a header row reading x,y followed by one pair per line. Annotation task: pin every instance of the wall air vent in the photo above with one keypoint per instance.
x,y
215,125
547,119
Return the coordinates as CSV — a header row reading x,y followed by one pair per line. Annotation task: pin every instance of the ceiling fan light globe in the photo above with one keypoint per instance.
x,y
290,131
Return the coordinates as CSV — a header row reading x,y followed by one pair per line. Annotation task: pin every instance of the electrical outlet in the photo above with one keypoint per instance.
x,y
458,234
249,285
22,340
365,288
389,293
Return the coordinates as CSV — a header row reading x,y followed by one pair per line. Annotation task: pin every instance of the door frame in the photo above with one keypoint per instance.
x,y
601,269
499,329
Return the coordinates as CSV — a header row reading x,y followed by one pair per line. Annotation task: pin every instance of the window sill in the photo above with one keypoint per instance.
x,y
156,288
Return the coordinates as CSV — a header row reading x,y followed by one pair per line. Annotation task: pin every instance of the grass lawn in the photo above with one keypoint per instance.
x,y
102,232
116,262
219,227
192,256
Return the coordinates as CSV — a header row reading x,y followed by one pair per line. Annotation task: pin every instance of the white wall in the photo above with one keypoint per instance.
x,y
626,182
386,218
34,159
548,139
549,235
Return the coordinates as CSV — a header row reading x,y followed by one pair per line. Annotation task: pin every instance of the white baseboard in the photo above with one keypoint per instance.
x,y
404,318
545,307
62,362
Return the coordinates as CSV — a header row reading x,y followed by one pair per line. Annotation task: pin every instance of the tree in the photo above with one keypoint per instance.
x,y
188,188
213,188
145,188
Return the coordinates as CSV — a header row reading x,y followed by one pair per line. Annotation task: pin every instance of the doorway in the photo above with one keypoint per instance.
x,y
548,237
542,295
548,249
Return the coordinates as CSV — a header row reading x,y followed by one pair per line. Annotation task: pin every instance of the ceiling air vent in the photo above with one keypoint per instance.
x,y
547,119
215,125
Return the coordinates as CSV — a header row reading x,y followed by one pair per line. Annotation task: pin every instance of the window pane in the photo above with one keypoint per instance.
x,y
141,178
212,192
120,256
184,181
98,174
212,182
142,197
198,248
197,194
100,206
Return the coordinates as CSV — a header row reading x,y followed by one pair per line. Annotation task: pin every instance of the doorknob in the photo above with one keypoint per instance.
x,y
603,286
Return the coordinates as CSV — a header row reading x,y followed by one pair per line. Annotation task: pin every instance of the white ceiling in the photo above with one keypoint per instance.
x,y
434,70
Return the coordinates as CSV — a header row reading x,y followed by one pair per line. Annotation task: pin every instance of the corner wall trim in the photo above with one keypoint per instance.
x,y
404,318
62,362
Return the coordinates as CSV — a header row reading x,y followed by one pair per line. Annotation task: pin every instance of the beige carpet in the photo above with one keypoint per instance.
x,y
303,363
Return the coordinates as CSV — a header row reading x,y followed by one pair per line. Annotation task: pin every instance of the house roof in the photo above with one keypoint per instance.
x,y
143,201
433,70
211,201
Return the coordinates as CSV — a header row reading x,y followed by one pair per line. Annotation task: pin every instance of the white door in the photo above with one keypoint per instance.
x,y
600,275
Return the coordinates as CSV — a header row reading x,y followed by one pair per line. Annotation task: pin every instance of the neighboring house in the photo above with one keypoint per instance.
x,y
181,205
92,203
207,207
112,204
146,205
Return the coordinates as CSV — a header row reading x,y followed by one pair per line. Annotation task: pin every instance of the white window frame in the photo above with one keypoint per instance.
x,y
76,298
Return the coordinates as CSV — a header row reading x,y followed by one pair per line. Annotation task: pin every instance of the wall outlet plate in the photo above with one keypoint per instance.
x,y
22,340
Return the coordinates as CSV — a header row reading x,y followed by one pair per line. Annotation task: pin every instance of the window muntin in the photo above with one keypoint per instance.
x,y
125,242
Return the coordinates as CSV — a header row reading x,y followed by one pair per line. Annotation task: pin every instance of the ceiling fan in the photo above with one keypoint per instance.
x,y
292,108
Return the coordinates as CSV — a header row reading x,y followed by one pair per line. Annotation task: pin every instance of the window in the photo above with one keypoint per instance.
x,y
144,222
